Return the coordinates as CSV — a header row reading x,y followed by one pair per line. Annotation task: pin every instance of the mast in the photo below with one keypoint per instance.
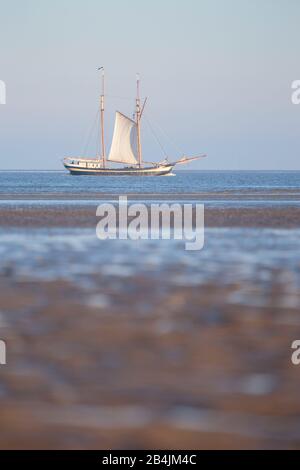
x,y
102,120
138,118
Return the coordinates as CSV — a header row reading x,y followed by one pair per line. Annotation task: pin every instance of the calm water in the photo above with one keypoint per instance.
x,y
37,184
246,257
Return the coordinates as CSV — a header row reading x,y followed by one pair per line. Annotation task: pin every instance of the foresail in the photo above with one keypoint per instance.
x,y
121,150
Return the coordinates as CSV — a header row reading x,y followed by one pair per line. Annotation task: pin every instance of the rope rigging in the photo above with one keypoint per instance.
x,y
159,128
90,133
156,137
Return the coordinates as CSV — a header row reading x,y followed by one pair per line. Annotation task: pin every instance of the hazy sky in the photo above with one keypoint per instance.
x,y
217,74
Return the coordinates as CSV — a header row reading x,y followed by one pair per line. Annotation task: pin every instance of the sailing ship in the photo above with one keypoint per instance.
x,y
122,150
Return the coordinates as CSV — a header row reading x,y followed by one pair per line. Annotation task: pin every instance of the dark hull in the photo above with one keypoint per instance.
x,y
155,171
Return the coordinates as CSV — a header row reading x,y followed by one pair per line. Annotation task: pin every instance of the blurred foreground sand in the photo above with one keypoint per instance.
x,y
142,363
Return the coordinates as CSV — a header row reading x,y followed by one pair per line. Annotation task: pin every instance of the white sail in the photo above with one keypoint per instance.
x,y
121,150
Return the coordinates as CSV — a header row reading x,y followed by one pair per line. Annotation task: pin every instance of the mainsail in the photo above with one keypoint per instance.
x,y
121,150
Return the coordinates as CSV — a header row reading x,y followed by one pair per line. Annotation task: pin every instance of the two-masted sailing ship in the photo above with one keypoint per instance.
x,y
126,148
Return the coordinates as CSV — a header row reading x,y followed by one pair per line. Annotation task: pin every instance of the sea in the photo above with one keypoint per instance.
x,y
60,183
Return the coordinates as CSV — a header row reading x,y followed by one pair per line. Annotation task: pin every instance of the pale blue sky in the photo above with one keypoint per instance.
x,y
217,74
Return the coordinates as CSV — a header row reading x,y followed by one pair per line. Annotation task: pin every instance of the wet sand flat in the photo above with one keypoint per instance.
x,y
85,216
146,367
121,346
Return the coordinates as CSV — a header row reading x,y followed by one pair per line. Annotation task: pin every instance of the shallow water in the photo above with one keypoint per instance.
x,y
230,256
60,182
80,203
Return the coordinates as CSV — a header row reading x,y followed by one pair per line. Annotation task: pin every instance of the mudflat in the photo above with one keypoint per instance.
x,y
147,365
64,215
115,346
